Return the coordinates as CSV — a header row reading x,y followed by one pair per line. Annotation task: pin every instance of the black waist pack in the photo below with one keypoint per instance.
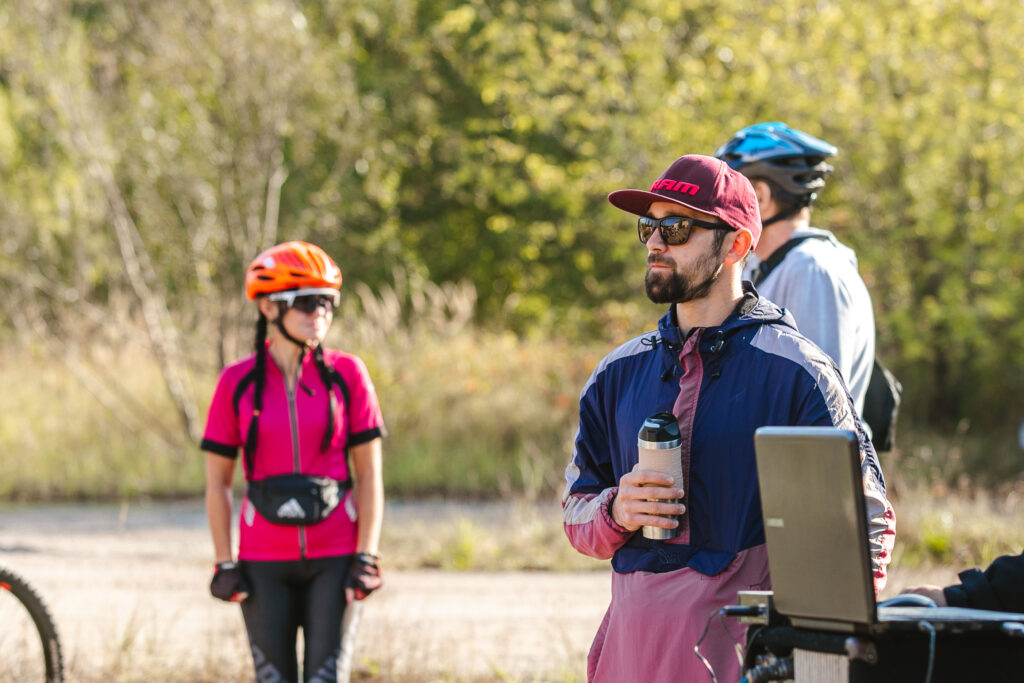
x,y
296,499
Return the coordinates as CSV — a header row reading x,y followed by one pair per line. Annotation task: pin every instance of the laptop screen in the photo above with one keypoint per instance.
x,y
812,498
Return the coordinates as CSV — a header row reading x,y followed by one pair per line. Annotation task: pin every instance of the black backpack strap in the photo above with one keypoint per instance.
x,y
236,399
776,257
334,379
243,384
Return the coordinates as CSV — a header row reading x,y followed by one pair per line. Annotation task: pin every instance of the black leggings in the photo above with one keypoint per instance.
x,y
285,596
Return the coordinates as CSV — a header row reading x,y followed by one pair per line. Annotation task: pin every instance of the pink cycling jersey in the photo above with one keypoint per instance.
x,y
291,429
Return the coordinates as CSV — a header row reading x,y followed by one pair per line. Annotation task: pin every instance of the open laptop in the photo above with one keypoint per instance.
x,y
815,523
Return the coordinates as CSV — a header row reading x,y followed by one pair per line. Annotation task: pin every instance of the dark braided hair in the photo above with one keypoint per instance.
x,y
332,401
260,374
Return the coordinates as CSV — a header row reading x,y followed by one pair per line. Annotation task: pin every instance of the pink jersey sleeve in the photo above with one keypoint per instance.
x,y
365,420
222,434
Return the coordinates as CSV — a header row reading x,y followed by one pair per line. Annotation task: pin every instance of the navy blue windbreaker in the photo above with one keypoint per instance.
x,y
722,383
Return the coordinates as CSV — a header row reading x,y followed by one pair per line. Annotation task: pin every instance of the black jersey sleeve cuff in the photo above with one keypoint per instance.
x,y
955,596
978,590
219,448
366,436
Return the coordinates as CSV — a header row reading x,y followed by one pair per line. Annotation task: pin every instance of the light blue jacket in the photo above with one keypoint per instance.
x,y
819,285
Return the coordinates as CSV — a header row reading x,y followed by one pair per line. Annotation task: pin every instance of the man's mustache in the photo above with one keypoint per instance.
x,y
654,259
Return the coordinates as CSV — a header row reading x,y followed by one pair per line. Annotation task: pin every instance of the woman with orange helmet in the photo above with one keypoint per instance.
x,y
309,427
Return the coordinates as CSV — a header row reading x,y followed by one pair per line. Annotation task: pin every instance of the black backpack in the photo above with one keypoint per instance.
x,y
882,401
882,406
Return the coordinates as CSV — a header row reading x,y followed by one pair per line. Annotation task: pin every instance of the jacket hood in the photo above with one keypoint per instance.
x,y
752,310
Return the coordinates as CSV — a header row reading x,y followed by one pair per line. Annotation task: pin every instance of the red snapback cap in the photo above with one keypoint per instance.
x,y
703,183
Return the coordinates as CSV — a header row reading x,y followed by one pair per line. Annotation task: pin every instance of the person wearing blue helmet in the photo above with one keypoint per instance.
x,y
804,269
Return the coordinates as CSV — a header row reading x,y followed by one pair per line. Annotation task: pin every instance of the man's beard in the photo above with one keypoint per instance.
x,y
674,287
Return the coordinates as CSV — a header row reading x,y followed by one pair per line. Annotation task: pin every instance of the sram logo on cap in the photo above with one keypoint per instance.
x,y
675,186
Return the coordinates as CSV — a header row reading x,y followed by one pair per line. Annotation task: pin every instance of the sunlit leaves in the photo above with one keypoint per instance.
x,y
477,139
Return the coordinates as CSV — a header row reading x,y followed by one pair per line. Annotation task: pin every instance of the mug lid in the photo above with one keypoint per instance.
x,y
660,427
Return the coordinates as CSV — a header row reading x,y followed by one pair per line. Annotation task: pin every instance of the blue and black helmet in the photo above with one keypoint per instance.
x,y
791,159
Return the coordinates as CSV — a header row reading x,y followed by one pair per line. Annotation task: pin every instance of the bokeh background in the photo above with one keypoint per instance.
x,y
454,157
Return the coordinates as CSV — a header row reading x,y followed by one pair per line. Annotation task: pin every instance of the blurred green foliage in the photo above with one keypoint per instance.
x,y
475,141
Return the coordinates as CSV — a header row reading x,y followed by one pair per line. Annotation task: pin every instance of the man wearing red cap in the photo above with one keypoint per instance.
x,y
724,362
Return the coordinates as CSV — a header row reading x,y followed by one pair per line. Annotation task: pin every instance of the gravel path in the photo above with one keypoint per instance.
x,y
128,590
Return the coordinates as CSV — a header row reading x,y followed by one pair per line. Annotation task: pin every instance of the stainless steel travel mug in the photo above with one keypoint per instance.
x,y
659,449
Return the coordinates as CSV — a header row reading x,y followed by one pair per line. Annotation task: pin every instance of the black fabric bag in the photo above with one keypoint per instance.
x,y
882,406
296,499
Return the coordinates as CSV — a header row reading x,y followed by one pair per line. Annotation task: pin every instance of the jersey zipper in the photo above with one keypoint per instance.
x,y
293,416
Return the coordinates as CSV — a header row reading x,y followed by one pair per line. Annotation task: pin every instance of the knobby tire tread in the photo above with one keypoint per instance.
x,y
47,630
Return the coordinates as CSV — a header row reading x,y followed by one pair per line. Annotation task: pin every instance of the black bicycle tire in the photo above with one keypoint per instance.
x,y
23,591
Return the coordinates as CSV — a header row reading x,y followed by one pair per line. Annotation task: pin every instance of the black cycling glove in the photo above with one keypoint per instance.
x,y
363,575
228,583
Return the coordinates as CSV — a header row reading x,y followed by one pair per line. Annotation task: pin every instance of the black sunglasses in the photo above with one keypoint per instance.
x,y
675,230
310,302
306,303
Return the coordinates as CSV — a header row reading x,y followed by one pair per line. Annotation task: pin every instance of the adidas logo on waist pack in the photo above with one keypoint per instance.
x,y
290,509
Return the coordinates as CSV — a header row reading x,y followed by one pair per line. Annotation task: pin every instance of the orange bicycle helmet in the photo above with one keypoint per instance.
x,y
291,265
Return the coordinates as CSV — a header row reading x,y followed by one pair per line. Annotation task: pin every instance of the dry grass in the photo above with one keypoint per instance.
x,y
504,536
937,526
472,411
